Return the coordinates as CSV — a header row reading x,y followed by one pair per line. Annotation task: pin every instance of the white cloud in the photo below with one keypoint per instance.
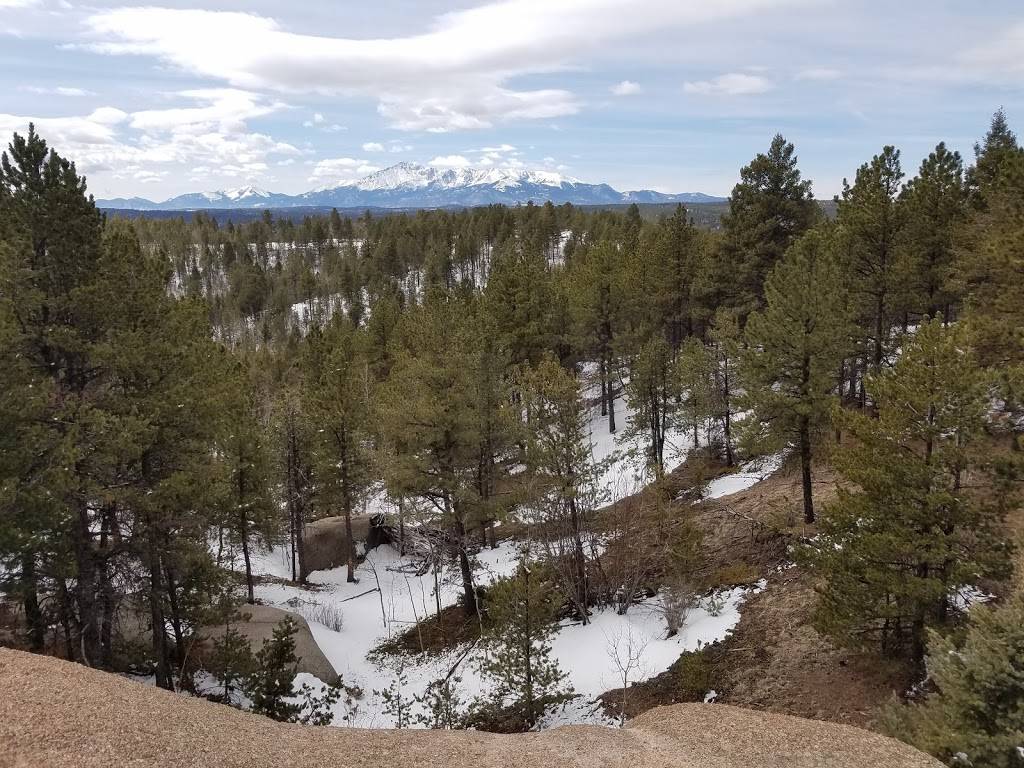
x,y
730,84
453,76
450,161
18,3
396,147
338,170
373,146
59,90
318,118
147,145
819,73
626,88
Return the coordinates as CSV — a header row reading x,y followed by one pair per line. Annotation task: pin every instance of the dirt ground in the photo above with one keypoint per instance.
x,y
775,660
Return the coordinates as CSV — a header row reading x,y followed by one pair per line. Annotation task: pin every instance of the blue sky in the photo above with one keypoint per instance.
x,y
673,95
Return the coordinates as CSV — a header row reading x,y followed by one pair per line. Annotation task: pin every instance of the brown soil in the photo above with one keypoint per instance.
x,y
775,660
54,713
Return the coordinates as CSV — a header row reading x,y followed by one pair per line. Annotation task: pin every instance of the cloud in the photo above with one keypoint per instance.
x,y
341,169
730,84
59,90
18,3
318,118
818,73
373,146
450,161
211,132
999,56
452,76
626,88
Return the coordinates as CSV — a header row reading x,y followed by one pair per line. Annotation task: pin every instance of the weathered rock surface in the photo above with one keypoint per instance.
x,y
53,713
257,624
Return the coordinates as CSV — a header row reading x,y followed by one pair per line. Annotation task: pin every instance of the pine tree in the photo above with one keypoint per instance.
x,y
695,371
517,643
908,528
271,685
562,474
769,209
676,254
250,514
725,343
597,305
973,715
992,158
425,415
652,394
871,222
935,207
793,349
338,393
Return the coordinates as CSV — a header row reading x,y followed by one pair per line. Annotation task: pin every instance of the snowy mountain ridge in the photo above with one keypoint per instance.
x,y
410,185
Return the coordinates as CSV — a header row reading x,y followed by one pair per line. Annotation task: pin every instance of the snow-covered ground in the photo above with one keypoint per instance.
x,y
626,469
748,475
370,617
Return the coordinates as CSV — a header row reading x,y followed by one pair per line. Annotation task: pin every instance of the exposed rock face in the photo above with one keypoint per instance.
x,y
325,541
53,713
259,626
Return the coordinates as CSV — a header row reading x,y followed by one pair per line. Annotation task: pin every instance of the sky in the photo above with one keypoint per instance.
x,y
674,95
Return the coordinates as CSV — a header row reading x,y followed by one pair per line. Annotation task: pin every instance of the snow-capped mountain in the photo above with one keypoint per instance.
x,y
409,185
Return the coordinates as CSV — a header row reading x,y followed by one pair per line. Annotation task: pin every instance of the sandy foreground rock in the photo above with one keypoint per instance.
x,y
53,713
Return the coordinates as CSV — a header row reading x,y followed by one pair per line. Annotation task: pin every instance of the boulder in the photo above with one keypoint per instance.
x,y
257,625
325,541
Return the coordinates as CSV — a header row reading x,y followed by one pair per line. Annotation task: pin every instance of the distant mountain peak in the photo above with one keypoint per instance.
x,y
411,185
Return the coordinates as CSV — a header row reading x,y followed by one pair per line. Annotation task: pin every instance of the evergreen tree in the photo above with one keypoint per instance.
x,y
725,344
596,296
425,413
652,394
793,349
563,475
908,529
973,716
517,644
769,209
271,685
695,371
871,222
338,392
935,206
992,157
250,513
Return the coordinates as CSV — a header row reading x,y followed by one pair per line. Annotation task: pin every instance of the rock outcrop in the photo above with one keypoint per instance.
x,y
54,713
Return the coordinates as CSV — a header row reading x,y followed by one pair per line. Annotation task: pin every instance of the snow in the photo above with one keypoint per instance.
x,y
748,475
625,472
585,653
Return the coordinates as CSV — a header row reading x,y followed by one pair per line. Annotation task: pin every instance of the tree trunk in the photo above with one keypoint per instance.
x,y
34,621
579,562
468,590
805,467
85,588
156,614
243,526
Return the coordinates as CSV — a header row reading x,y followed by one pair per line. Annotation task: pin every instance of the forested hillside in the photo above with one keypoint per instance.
x,y
529,426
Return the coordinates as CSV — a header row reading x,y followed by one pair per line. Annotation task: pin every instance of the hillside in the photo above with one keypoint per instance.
x,y
59,714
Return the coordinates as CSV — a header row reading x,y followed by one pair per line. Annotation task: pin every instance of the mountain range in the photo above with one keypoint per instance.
x,y
409,185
